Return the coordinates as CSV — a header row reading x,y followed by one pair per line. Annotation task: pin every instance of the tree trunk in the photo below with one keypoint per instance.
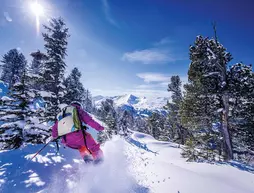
x,y
225,128
181,133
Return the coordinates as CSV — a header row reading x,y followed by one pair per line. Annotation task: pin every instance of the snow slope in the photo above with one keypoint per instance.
x,y
167,172
139,164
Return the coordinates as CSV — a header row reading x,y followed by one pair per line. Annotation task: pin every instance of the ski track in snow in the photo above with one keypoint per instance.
x,y
138,165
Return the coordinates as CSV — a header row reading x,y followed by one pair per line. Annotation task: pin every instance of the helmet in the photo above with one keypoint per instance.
x,y
77,104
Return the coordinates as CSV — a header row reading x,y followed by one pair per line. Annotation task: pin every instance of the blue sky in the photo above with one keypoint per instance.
x,y
131,46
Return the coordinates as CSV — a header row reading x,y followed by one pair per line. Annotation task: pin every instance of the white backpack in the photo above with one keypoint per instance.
x,y
68,121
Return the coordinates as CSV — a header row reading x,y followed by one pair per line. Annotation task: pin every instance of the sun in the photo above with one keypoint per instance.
x,y
37,9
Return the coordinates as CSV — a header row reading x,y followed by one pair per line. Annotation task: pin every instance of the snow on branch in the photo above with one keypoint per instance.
x,y
5,98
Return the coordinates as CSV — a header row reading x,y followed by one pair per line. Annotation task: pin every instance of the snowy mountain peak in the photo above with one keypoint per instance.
x,y
127,99
138,105
99,97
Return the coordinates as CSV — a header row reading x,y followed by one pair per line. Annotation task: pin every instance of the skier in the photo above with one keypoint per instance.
x,y
80,139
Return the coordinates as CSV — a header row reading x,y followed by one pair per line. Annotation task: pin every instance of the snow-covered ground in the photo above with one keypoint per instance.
x,y
140,164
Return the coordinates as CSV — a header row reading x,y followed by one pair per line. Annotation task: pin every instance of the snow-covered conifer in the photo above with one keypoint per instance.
x,y
13,65
55,39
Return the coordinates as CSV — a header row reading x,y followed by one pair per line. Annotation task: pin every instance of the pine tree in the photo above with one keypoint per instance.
x,y
11,131
108,115
37,65
190,152
156,125
125,122
102,137
206,100
168,134
54,68
217,95
35,131
13,64
74,88
14,111
141,125
199,113
173,107
111,122
241,84
88,102
35,70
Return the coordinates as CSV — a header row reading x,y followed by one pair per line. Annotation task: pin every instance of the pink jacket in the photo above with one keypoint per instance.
x,y
75,139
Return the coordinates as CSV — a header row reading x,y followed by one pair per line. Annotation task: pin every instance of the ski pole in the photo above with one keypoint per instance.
x,y
40,150
18,171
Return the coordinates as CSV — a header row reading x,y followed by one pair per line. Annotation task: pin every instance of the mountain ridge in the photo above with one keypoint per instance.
x,y
138,105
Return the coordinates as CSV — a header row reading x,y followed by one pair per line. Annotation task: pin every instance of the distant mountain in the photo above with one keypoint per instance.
x,y
97,98
138,105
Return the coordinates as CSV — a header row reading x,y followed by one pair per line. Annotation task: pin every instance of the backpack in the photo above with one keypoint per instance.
x,y
68,121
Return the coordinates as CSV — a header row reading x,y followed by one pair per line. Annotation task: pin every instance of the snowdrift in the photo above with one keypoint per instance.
x,y
138,164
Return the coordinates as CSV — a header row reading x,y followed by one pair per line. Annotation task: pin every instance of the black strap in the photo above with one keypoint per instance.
x,y
84,136
64,137
64,112
83,128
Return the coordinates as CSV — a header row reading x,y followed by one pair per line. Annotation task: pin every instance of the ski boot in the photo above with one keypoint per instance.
x,y
98,157
88,159
85,154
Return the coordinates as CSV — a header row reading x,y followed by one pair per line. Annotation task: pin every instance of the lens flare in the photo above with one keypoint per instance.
x,y
38,11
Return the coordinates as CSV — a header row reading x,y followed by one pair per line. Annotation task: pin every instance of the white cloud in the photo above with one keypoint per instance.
x,y
161,52
149,56
154,77
106,9
157,81
163,41
153,84
146,86
7,17
163,79
135,91
161,85
164,84
149,92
